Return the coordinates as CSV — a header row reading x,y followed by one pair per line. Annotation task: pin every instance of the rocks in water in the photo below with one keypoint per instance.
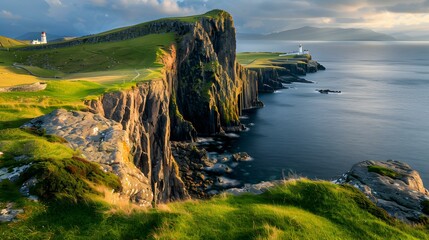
x,y
241,157
225,182
391,185
219,168
320,67
326,91
9,214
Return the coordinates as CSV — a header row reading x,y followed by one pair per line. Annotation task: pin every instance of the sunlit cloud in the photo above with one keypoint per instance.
x,y
257,16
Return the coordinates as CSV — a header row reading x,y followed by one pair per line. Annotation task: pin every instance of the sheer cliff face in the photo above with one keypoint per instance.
x,y
203,90
144,114
212,88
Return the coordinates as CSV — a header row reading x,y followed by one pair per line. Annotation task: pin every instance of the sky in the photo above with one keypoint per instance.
x,y
81,17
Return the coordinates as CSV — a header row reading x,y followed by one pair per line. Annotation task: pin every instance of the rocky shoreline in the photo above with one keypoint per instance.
x,y
391,185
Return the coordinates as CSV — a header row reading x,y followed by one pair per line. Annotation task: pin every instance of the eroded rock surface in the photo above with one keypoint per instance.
x,y
9,213
258,188
391,185
102,141
192,164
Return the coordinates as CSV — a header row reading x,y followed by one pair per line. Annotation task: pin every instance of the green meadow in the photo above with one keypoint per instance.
x,y
75,74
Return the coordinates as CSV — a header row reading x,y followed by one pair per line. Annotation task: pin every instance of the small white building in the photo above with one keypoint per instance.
x,y
43,39
299,52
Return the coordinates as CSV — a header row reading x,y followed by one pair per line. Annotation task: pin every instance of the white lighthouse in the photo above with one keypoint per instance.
x,y
300,49
43,39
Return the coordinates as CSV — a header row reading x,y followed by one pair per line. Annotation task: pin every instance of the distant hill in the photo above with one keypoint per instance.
x,y
6,42
36,35
322,34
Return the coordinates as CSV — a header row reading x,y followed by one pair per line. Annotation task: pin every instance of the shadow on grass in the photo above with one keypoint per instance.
x,y
90,221
13,124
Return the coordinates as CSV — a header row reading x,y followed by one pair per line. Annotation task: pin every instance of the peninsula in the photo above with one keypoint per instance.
x,y
106,149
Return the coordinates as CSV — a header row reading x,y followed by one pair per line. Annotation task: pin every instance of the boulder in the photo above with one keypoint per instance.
x,y
101,141
391,185
241,157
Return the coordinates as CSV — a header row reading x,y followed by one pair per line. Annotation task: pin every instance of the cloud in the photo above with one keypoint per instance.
x,y
263,16
54,2
8,15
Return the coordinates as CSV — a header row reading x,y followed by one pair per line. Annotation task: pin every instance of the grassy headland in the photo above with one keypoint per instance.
x,y
258,60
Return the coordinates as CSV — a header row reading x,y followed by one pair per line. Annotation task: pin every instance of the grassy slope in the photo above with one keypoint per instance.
x,y
6,42
256,60
298,210
126,59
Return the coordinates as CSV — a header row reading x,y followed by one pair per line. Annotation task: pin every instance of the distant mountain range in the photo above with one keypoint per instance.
x,y
36,35
322,34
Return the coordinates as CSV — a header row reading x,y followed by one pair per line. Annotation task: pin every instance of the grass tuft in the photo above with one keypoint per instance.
x,y
384,171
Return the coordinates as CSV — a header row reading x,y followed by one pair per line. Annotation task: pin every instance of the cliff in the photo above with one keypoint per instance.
x,y
275,69
203,90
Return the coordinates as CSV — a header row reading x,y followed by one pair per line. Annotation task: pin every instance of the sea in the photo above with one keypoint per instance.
x,y
381,113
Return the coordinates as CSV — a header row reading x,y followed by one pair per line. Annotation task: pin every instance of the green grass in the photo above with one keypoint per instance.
x,y
384,171
211,14
298,210
214,14
6,42
258,60
61,173
136,53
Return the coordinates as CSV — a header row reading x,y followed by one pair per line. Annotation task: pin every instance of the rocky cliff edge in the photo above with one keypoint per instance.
x,y
203,90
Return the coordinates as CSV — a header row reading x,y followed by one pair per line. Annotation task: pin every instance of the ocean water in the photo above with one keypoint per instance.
x,y
382,112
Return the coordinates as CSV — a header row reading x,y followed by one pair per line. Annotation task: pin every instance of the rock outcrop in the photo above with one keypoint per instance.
x,y
285,72
9,214
391,185
102,141
35,87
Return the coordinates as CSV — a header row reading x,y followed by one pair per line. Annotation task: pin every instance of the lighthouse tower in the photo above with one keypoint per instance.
x,y
43,39
299,50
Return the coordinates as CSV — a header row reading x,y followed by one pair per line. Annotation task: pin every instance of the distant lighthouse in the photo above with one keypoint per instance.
x,y
300,49
43,39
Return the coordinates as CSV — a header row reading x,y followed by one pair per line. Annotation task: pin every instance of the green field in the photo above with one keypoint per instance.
x,y
83,72
257,60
